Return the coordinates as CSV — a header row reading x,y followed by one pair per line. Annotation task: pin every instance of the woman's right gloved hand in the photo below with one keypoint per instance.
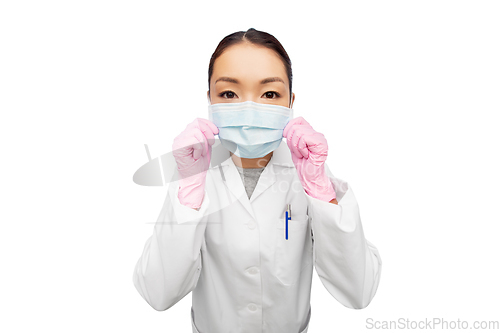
x,y
192,150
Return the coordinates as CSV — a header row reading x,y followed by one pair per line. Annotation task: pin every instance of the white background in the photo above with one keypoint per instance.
x,y
406,93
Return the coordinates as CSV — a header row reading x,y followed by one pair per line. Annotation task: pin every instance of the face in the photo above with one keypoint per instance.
x,y
247,72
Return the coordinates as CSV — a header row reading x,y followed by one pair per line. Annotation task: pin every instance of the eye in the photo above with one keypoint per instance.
x,y
269,94
229,95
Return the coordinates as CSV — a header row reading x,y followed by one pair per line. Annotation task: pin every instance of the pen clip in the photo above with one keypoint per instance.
x,y
288,217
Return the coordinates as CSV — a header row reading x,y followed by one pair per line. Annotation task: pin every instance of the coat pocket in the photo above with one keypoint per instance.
x,y
291,255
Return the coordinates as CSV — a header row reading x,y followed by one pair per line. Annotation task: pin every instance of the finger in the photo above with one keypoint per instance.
x,y
288,137
211,126
293,138
201,145
290,125
303,122
302,145
318,145
207,132
290,146
287,128
191,141
300,140
183,145
294,122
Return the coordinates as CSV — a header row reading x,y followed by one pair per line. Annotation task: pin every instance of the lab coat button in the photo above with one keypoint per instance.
x,y
252,307
253,270
251,225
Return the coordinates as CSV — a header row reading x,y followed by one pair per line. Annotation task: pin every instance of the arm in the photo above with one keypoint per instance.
x,y
348,265
170,265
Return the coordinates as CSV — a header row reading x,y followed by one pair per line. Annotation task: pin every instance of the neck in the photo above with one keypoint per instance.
x,y
251,163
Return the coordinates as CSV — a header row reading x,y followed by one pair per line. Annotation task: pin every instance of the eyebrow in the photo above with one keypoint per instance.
x,y
264,81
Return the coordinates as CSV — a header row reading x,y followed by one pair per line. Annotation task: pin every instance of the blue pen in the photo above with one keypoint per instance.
x,y
288,217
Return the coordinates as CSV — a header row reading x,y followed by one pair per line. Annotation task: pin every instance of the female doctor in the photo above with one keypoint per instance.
x,y
244,235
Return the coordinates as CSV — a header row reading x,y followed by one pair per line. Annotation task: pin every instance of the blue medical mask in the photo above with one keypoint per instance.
x,y
249,129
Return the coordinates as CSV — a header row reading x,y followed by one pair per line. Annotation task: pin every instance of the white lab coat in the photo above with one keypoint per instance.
x,y
233,255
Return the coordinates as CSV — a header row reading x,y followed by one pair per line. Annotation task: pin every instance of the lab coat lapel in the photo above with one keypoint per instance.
x,y
235,185
267,179
281,156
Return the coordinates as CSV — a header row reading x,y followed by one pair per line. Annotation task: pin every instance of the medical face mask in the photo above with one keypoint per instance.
x,y
249,129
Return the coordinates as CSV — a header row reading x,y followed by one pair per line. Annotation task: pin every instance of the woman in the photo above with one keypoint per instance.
x,y
244,235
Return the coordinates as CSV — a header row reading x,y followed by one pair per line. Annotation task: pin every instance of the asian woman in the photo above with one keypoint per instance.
x,y
244,235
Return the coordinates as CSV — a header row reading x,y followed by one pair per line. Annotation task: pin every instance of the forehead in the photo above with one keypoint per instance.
x,y
248,62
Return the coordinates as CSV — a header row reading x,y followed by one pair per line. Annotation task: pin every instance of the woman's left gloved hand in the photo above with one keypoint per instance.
x,y
309,151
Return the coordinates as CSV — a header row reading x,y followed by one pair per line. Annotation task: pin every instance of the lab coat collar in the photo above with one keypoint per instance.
x,y
281,157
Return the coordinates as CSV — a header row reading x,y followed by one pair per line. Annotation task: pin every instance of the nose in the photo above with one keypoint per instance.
x,y
250,98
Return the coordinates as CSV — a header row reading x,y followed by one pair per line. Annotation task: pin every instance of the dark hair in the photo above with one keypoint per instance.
x,y
255,37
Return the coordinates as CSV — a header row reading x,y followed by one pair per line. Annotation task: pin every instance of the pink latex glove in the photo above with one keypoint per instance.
x,y
192,150
309,151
